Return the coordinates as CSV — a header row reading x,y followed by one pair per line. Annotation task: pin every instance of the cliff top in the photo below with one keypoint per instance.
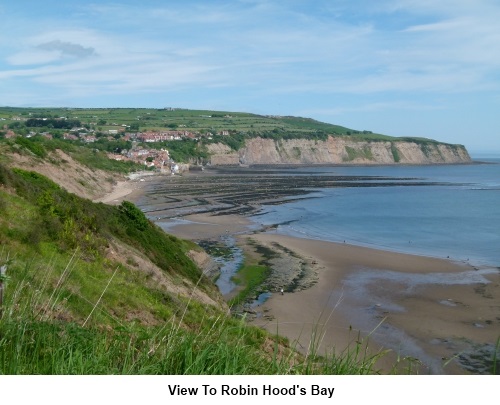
x,y
208,123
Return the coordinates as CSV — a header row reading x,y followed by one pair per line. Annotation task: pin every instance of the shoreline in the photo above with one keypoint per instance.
x,y
429,320
403,306
473,263
381,295
131,187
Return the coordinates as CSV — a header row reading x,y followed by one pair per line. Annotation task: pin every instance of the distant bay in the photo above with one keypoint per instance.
x,y
456,216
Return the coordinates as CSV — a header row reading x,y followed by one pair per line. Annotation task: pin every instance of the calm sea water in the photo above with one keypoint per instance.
x,y
455,214
458,218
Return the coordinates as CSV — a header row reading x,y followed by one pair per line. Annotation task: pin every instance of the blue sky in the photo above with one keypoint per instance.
x,y
426,68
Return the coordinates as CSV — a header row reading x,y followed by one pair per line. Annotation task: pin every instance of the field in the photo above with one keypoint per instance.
x,y
202,121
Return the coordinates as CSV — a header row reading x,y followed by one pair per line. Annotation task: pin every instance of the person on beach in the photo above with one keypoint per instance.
x,y
282,292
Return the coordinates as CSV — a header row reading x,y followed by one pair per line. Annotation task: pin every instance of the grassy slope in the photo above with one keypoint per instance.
x,y
73,309
78,298
192,120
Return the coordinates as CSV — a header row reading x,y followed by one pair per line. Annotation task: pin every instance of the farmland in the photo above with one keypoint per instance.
x,y
197,121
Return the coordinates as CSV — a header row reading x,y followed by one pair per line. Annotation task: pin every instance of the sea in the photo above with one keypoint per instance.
x,y
455,216
443,211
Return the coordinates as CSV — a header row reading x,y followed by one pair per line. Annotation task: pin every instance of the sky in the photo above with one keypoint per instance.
x,y
427,68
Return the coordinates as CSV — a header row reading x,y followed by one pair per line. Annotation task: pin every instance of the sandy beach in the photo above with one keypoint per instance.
x,y
130,188
415,306
446,314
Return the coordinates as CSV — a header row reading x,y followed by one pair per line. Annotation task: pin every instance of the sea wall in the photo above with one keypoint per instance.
x,y
337,150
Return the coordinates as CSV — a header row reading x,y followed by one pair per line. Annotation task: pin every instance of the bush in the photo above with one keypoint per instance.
x,y
395,153
137,217
33,146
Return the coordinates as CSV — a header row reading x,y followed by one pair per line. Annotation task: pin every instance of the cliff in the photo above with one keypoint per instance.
x,y
338,150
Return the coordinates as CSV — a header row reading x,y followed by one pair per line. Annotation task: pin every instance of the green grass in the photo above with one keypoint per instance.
x,y
70,308
42,332
251,277
197,121
395,153
30,346
71,222
62,348
89,156
353,153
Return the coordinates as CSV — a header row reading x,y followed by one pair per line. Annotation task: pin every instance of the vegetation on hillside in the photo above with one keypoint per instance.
x,y
143,119
71,222
89,288
76,300
229,128
40,147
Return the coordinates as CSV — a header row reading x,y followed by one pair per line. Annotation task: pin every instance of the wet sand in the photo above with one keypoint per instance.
x,y
417,306
445,314
420,307
206,227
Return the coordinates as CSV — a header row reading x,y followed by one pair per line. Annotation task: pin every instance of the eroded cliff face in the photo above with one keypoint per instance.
x,y
337,150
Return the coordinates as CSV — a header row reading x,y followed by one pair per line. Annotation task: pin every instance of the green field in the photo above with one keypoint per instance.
x,y
197,121
164,119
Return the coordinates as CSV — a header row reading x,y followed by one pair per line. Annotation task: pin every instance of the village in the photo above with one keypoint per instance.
x,y
152,158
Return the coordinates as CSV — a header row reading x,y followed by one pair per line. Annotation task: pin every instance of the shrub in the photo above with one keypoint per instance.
x,y
137,217
395,153
33,146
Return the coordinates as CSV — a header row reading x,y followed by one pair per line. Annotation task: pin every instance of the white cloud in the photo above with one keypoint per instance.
x,y
436,27
33,57
48,52
67,48
337,59
270,45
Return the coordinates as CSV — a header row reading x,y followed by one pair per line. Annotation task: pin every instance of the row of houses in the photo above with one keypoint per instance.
x,y
162,136
152,136
85,137
150,158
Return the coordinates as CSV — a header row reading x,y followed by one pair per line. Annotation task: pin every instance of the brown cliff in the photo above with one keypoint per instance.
x,y
338,150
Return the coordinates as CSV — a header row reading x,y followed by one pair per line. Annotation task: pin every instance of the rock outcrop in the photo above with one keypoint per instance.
x,y
337,150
